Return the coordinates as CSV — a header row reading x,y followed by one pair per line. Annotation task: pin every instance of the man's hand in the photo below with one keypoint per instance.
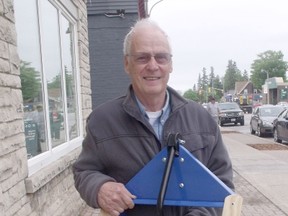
x,y
114,198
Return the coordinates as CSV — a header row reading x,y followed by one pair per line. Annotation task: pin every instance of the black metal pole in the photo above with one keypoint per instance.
x,y
173,150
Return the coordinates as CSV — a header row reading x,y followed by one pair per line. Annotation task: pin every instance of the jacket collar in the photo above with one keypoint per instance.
x,y
130,103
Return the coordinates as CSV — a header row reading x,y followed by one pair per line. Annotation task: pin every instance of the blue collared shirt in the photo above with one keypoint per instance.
x,y
158,124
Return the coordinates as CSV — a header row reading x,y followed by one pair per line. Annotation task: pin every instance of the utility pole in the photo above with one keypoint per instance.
x,y
212,84
267,85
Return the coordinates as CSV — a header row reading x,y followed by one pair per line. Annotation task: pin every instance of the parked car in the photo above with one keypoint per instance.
x,y
280,127
230,112
283,103
262,118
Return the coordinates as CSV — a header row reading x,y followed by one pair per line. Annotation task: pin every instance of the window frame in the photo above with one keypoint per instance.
x,y
68,10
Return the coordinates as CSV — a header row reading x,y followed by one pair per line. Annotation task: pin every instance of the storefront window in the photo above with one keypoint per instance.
x,y
46,44
284,94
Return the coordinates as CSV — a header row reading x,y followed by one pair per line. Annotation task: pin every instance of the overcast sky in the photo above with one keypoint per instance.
x,y
209,33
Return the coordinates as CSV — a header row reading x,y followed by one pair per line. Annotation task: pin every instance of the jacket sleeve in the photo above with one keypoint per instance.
x,y
220,164
88,169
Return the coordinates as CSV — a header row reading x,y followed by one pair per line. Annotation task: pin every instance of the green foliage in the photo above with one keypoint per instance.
x,y
30,82
205,79
192,95
56,83
245,76
217,88
194,88
232,75
209,85
268,64
211,77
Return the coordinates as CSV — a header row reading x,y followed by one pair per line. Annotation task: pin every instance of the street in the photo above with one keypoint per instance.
x,y
245,129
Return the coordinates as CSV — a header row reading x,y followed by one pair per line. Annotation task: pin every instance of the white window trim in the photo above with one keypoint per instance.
x,y
44,159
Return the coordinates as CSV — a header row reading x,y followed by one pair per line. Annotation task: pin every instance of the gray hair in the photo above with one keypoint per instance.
x,y
139,24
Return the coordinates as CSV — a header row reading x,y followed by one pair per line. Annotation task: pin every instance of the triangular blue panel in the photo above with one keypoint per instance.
x,y
190,183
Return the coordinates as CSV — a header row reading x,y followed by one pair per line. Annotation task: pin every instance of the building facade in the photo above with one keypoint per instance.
x,y
108,23
275,90
45,98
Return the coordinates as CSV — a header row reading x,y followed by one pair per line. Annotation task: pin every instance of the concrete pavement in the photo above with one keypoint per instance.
x,y
260,177
264,171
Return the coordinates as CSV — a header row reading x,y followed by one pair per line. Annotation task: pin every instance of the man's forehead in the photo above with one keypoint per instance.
x,y
150,37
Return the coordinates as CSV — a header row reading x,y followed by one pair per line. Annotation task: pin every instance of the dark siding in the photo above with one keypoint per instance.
x,y
111,6
106,35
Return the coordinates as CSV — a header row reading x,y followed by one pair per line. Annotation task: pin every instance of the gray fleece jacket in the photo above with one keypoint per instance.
x,y
120,141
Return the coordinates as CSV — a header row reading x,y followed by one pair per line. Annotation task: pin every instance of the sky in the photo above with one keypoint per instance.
x,y
209,33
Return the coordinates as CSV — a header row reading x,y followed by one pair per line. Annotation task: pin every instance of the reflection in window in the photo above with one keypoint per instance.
x,y
70,77
53,71
31,79
48,75
284,94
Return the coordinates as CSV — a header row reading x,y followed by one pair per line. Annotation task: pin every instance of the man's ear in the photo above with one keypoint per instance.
x,y
171,68
126,64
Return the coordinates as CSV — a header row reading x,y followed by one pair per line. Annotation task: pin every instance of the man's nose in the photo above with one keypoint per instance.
x,y
152,63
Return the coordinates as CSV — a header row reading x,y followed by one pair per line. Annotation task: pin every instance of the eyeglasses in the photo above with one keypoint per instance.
x,y
144,58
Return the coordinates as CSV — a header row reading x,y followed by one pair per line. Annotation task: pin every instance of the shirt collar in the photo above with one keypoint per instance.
x,y
142,108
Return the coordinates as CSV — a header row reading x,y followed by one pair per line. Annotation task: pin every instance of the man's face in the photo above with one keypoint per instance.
x,y
149,62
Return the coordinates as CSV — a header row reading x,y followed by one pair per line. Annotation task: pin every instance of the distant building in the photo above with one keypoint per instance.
x,y
275,90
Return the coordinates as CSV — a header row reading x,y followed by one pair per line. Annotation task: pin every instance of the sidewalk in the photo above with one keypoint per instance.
x,y
260,177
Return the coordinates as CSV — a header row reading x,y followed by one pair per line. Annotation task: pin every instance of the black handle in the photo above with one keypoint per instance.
x,y
173,151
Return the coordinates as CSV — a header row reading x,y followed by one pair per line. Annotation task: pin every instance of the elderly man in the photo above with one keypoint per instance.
x,y
124,134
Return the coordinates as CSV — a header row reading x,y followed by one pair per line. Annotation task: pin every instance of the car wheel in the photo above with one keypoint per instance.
x,y
242,123
275,135
259,132
251,130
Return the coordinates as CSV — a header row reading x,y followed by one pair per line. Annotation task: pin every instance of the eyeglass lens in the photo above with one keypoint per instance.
x,y
160,58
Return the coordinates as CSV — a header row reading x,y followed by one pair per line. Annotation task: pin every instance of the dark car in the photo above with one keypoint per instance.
x,y
230,112
262,118
280,127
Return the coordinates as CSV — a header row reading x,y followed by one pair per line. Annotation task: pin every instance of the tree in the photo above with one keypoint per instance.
x,y
232,75
214,85
268,64
205,82
199,82
204,78
56,82
245,76
192,95
199,88
194,88
30,82
217,88
211,77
